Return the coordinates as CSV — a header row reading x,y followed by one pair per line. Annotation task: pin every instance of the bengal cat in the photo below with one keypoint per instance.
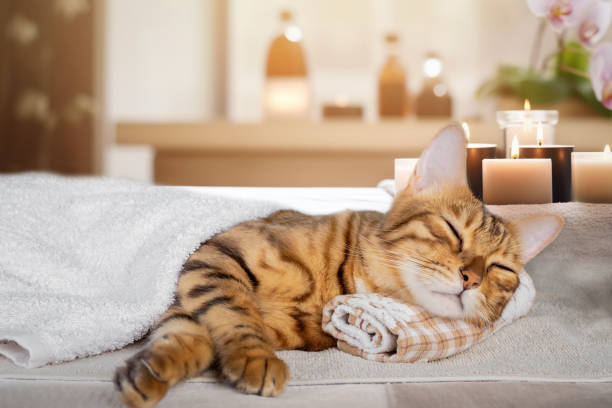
x,y
261,286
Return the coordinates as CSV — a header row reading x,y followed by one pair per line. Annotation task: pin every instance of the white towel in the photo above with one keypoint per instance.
x,y
88,264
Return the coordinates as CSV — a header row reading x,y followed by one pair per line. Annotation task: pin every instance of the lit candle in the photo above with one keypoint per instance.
x,y
403,172
520,124
592,176
476,152
516,181
560,157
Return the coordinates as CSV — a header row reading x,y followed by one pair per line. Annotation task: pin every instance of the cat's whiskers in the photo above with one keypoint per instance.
x,y
429,270
402,259
424,263
412,253
380,258
397,291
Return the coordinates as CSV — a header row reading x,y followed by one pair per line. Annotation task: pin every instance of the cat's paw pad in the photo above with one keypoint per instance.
x,y
263,375
137,384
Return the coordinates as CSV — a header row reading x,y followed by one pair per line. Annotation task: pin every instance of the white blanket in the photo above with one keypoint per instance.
x,y
88,264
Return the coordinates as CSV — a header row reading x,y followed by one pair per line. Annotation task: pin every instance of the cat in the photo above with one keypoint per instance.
x,y
261,285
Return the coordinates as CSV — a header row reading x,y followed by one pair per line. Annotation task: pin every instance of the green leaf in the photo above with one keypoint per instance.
x,y
575,56
488,88
543,91
505,81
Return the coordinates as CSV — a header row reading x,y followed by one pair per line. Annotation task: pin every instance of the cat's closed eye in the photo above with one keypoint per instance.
x,y
500,266
456,234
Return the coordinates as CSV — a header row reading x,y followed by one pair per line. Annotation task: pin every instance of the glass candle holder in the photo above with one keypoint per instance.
x,y
524,125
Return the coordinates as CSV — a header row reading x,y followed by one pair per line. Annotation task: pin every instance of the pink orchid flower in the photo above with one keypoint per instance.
x,y
600,71
561,13
595,22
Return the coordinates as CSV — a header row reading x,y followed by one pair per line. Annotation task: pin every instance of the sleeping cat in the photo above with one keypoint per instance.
x,y
261,286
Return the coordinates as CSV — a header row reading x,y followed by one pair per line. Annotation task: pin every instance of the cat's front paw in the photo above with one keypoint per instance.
x,y
263,375
137,385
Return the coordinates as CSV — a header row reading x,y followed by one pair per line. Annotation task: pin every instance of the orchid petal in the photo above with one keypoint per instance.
x,y
595,22
539,7
600,71
564,14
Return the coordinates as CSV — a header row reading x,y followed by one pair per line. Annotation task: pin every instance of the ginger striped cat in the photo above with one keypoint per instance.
x,y
261,286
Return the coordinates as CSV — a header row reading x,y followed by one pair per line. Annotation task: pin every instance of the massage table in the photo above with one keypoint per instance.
x,y
87,382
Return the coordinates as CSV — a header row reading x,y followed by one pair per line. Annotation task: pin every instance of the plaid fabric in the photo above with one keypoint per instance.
x,y
381,329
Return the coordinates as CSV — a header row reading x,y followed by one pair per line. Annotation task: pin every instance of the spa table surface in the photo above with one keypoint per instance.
x,y
87,382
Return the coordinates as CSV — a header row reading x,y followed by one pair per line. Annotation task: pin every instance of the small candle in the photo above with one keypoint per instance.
x,y
521,124
517,181
592,176
476,152
560,157
403,172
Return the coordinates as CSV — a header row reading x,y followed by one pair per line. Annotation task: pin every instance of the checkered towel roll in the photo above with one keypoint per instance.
x,y
381,329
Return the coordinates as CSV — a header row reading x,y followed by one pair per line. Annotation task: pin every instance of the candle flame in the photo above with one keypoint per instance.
x,y
466,130
514,152
540,135
527,120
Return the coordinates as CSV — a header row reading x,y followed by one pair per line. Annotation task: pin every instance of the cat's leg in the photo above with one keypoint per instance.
x,y
220,292
178,348
247,359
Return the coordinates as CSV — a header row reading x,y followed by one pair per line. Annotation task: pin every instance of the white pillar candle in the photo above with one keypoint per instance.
x,y
517,181
403,172
592,177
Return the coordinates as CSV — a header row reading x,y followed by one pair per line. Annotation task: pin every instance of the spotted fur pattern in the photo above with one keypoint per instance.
x,y
261,286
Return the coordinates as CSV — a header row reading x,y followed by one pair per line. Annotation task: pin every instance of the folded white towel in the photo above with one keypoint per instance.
x,y
88,264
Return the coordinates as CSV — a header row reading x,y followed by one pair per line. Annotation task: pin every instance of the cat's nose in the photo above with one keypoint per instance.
x,y
471,280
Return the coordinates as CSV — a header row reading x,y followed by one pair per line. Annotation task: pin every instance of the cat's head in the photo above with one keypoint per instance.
x,y
456,258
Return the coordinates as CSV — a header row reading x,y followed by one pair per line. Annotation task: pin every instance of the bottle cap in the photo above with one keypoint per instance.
x,y
286,15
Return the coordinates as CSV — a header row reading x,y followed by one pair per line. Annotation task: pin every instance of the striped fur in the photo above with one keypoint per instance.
x,y
262,285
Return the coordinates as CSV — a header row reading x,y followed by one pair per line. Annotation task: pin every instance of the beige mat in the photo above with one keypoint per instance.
x,y
567,336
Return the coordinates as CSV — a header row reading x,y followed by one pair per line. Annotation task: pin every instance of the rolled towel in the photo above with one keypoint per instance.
x,y
382,329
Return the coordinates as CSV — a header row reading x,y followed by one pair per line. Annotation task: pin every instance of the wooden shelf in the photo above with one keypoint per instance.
x,y
332,153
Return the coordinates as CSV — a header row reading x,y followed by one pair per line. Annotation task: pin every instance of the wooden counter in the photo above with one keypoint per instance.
x,y
335,153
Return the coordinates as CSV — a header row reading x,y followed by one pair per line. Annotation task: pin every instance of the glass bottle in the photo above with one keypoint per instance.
x,y
286,89
392,93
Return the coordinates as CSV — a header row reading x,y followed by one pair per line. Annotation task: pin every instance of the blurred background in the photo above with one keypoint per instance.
x,y
271,92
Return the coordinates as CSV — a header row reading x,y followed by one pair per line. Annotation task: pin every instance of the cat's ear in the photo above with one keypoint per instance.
x,y
442,162
536,232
